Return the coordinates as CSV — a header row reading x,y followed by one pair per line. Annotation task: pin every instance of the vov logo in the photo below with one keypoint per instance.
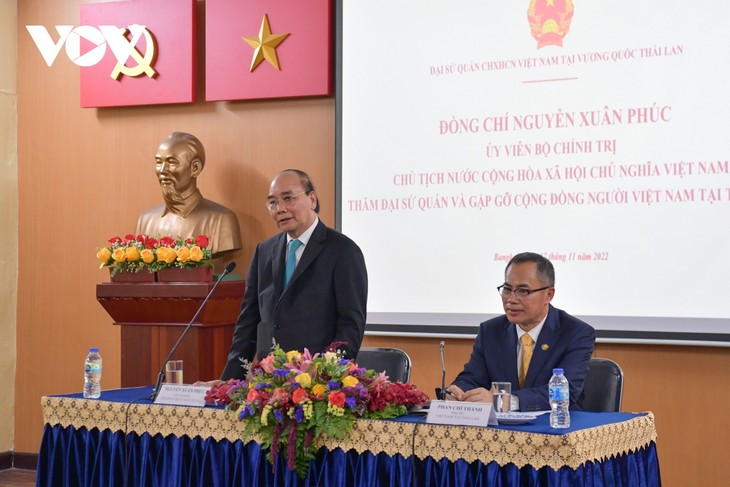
x,y
122,41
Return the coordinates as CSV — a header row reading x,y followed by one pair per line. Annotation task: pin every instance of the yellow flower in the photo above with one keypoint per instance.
x,y
308,409
132,254
183,254
166,254
118,255
104,255
335,410
196,253
265,415
293,357
148,256
304,380
350,381
319,389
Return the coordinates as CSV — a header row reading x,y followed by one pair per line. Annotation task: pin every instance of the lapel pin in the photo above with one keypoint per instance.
x,y
545,346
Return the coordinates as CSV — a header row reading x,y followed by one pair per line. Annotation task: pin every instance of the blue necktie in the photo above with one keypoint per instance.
x,y
291,260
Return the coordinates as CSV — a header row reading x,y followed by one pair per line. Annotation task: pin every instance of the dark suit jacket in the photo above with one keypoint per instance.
x,y
564,342
325,299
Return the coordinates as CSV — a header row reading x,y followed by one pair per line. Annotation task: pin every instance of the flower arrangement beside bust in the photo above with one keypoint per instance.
x,y
135,253
291,399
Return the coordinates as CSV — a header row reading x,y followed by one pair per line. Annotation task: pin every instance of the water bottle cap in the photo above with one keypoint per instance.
x,y
558,371
94,350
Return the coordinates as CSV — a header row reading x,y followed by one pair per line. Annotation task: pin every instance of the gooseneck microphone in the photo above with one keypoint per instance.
x,y
161,375
441,393
443,370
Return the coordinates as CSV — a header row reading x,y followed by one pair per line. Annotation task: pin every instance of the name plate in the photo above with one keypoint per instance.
x,y
182,395
461,413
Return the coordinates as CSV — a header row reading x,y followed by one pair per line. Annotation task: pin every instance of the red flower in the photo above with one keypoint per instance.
x,y
265,397
281,396
115,240
202,241
167,241
129,238
141,238
337,398
395,393
253,396
219,394
151,243
299,395
189,241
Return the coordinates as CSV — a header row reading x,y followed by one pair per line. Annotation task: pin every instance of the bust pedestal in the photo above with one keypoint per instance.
x,y
152,317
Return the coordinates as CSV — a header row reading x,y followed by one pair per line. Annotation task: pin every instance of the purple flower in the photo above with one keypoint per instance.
x,y
282,372
277,415
299,414
351,401
344,361
332,385
245,412
262,385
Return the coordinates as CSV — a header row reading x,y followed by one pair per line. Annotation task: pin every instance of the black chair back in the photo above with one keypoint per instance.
x,y
393,361
603,386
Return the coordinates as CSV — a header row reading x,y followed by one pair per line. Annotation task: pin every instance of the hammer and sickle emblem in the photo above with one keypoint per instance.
x,y
143,63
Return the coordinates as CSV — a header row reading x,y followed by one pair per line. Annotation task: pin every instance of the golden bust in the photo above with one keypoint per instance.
x,y
179,161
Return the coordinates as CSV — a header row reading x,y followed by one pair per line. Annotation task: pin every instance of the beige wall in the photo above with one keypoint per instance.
x,y
8,217
85,174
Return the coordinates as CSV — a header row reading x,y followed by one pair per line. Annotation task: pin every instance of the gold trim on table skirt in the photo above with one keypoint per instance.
x,y
375,436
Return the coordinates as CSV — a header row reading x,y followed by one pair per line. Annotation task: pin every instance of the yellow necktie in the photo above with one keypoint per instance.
x,y
527,346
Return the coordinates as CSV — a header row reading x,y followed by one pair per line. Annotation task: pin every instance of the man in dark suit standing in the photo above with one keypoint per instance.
x,y
527,342
306,287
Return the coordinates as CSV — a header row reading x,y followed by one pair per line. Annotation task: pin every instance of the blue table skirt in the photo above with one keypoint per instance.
x,y
78,457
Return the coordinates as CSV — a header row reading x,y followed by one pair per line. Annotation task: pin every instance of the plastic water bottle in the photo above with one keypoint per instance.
x,y
92,374
559,396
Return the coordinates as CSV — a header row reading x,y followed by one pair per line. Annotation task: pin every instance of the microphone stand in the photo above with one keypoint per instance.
x,y
441,393
161,375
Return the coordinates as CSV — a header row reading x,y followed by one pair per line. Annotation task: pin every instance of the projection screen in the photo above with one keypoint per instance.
x,y
593,133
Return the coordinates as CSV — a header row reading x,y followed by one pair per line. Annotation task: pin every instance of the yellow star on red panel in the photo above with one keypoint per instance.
x,y
265,45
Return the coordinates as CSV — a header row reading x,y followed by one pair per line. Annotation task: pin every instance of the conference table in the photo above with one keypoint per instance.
x,y
124,439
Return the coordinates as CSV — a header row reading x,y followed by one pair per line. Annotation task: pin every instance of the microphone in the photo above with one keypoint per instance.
x,y
441,393
161,375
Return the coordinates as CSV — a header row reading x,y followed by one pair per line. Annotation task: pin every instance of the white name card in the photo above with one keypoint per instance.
x,y
461,413
182,395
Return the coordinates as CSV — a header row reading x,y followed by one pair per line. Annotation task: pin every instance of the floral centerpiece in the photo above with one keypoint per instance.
x,y
291,399
135,253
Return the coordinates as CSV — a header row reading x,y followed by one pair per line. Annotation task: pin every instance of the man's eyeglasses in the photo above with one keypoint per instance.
x,y
284,202
520,293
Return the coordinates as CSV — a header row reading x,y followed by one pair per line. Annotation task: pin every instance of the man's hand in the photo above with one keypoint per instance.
x,y
480,394
454,393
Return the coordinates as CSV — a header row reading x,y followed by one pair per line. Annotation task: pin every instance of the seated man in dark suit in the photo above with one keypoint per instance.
x,y
552,339
306,287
